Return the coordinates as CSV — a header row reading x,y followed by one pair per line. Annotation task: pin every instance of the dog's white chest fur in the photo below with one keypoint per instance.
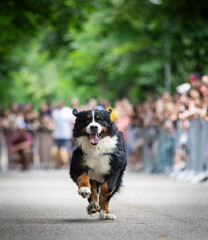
x,y
97,158
98,167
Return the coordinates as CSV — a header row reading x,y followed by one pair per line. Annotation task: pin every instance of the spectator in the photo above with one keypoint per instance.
x,y
8,131
31,118
75,103
124,111
134,143
21,145
45,130
91,104
62,134
45,110
181,146
194,78
104,102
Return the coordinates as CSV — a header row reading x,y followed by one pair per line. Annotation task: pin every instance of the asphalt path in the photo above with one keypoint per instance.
x,y
45,205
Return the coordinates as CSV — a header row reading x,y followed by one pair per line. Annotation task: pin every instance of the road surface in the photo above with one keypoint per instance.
x,y
45,205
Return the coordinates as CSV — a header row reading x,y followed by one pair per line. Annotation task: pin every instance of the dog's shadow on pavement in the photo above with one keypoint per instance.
x,y
77,220
68,220
53,221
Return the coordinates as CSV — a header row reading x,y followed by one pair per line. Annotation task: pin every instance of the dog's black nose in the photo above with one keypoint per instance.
x,y
94,128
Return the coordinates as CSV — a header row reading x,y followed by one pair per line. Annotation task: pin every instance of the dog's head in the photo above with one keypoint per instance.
x,y
94,125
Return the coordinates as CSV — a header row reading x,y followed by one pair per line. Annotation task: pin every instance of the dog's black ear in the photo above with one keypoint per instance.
x,y
110,111
75,112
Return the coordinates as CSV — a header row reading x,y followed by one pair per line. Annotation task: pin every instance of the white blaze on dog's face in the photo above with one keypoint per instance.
x,y
94,130
94,125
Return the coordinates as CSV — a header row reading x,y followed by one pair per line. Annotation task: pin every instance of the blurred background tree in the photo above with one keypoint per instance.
x,y
98,48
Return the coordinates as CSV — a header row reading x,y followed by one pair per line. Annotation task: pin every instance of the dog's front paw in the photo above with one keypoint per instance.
x,y
93,207
84,192
106,216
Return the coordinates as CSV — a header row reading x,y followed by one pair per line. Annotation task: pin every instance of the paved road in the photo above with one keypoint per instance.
x,y
45,205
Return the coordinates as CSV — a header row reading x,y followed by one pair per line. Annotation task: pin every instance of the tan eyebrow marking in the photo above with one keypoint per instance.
x,y
97,116
88,116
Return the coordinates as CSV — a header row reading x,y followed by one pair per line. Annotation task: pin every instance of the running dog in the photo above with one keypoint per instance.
x,y
99,160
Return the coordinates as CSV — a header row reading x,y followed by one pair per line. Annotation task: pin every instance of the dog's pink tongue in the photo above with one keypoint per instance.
x,y
94,138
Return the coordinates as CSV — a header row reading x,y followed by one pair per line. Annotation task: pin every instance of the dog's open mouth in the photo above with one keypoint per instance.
x,y
94,137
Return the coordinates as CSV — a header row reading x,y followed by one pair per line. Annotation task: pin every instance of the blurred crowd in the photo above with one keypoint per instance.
x,y
170,133
165,133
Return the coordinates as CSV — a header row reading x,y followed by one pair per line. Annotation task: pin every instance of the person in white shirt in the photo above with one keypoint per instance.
x,y
62,134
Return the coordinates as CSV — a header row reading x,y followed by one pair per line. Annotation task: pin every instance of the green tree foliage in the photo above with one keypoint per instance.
x,y
113,48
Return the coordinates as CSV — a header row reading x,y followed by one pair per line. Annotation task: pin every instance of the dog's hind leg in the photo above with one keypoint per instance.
x,y
93,206
105,195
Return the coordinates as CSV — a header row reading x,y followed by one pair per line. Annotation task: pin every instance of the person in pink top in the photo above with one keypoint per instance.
x,y
21,145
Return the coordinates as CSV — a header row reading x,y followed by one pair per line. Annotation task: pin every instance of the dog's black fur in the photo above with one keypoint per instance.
x,y
100,155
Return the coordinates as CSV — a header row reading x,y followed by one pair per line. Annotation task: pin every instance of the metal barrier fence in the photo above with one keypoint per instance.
x,y
40,152
197,143
158,151
160,148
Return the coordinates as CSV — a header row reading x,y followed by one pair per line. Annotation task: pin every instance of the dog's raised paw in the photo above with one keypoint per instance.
x,y
107,216
84,192
93,207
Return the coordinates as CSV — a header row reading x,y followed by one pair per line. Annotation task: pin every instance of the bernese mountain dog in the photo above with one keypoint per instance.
x,y
99,160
